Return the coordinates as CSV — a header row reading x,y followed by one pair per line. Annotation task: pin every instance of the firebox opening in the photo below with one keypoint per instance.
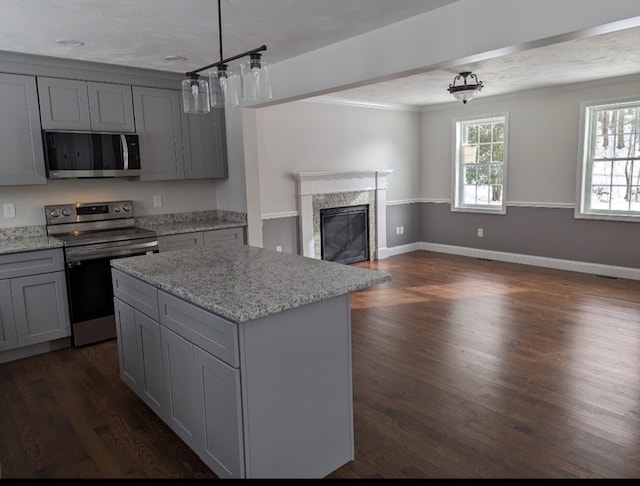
x,y
344,233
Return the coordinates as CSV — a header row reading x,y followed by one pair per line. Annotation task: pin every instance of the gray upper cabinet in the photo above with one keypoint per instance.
x,y
206,148
111,107
158,119
64,104
21,153
67,104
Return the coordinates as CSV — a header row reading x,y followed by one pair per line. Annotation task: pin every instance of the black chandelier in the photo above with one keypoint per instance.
x,y
226,87
466,90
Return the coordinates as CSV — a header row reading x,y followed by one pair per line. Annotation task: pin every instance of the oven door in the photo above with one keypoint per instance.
x,y
91,293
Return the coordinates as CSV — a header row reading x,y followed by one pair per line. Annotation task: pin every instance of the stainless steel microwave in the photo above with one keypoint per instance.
x,y
71,155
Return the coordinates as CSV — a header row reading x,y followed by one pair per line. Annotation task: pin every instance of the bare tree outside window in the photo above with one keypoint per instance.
x,y
611,165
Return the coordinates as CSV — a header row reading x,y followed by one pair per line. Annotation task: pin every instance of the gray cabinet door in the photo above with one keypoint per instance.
x,y
111,107
126,334
180,241
150,351
64,104
205,146
140,355
183,413
158,124
40,308
21,153
231,235
8,339
218,388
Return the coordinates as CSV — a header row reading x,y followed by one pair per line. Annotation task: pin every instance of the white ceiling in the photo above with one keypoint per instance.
x,y
141,33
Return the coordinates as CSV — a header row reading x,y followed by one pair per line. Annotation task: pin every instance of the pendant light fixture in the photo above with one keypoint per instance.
x,y
466,90
251,84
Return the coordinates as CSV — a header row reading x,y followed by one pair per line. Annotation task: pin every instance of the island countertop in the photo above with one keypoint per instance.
x,y
243,283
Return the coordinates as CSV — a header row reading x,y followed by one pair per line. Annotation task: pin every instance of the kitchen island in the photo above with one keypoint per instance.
x,y
245,353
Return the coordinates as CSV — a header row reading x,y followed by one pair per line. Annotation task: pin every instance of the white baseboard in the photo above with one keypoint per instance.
x,y
570,265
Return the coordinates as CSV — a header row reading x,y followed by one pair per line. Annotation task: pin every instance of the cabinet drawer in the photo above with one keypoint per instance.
x,y
31,263
178,242
138,294
222,235
204,329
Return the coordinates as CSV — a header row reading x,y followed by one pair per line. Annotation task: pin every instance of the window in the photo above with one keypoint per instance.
x,y
480,164
609,170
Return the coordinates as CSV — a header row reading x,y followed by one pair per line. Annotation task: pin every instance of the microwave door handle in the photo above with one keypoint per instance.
x,y
125,151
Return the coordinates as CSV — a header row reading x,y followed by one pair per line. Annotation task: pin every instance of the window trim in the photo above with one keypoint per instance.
x,y
583,184
456,173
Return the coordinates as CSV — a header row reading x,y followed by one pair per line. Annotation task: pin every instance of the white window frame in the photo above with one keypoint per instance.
x,y
457,176
583,189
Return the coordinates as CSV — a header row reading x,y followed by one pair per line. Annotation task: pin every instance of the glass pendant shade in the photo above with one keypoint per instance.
x,y
466,95
256,84
217,81
224,87
195,96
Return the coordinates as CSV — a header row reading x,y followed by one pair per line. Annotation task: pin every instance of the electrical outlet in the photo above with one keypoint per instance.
x,y
278,248
401,230
480,233
397,230
157,201
9,210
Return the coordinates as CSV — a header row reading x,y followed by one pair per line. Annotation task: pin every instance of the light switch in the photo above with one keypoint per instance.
x,y
9,210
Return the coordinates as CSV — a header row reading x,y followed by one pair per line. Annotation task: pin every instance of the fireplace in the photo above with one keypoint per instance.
x,y
318,191
344,234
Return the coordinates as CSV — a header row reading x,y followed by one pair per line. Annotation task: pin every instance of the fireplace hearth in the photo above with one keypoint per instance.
x,y
344,234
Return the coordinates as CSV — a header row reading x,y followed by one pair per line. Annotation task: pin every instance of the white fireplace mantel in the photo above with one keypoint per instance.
x,y
316,183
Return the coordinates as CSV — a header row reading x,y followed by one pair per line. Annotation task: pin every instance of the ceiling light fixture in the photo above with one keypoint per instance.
x,y
226,87
70,42
465,91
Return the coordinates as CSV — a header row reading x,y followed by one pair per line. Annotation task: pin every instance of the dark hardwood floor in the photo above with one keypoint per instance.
x,y
462,368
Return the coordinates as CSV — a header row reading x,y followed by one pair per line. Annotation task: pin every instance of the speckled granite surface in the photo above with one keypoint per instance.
x,y
176,223
26,238
242,283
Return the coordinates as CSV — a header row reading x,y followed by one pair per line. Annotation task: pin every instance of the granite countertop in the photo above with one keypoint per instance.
x,y
177,223
178,227
243,283
27,238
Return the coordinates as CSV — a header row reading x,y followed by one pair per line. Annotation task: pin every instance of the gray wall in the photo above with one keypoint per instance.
x,y
545,232
281,231
532,231
409,217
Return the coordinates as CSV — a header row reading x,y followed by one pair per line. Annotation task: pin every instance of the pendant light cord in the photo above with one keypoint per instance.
x,y
221,62
220,29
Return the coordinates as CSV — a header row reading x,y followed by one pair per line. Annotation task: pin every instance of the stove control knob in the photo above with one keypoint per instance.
x,y
66,212
54,213
126,208
116,209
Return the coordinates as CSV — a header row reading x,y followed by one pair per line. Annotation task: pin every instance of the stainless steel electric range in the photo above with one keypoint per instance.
x,y
93,234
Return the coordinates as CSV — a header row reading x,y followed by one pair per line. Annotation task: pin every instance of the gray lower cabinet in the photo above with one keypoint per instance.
x,y
191,389
269,398
69,104
21,152
33,299
199,239
180,241
8,337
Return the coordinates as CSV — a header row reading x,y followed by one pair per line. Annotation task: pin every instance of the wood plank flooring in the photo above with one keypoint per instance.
x,y
462,368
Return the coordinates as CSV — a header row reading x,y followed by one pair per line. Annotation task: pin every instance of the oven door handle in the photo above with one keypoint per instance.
x,y
77,255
